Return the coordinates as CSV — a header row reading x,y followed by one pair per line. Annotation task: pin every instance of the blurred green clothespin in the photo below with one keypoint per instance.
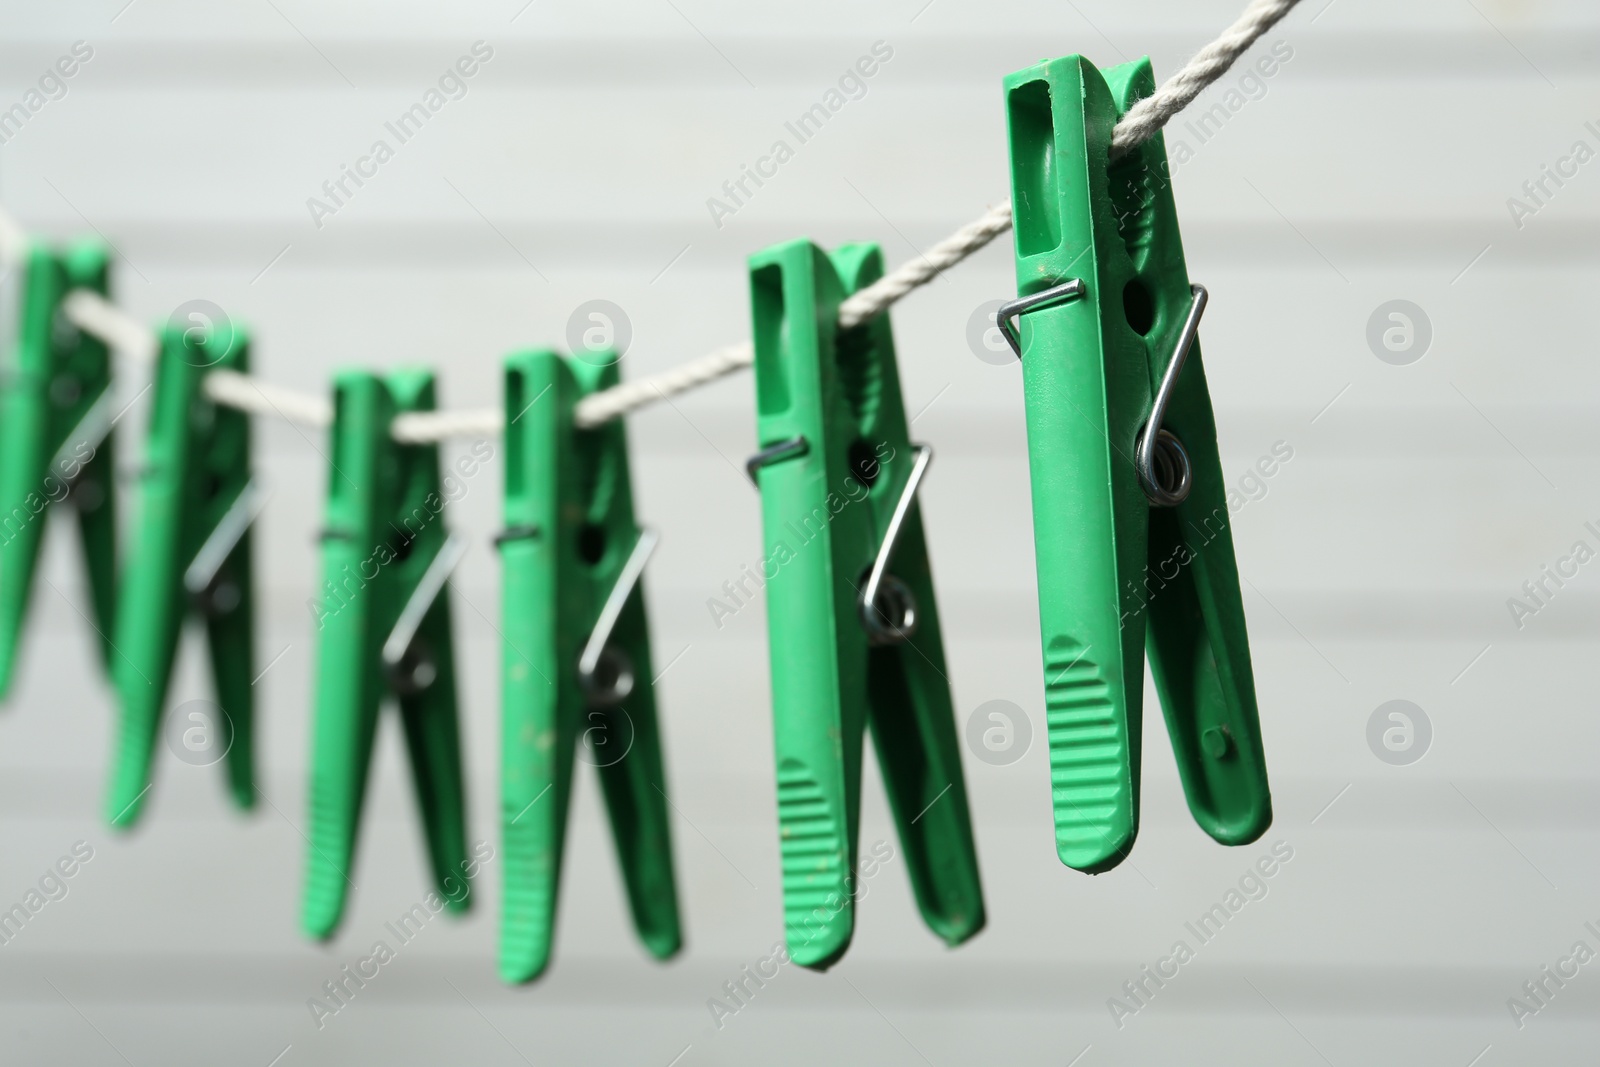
x,y
1131,527
383,631
853,626
190,555
577,660
56,443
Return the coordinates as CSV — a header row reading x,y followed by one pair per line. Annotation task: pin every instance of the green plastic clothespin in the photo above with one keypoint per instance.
x,y
383,631
55,443
190,554
577,660
1131,533
854,629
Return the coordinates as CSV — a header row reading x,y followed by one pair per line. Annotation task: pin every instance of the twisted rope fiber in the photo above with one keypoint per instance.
x,y
1144,119
630,396
1138,125
94,314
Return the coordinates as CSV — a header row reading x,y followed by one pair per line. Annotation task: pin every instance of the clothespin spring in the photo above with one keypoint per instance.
x,y
887,608
200,581
1164,468
794,446
407,662
1059,294
605,671
86,436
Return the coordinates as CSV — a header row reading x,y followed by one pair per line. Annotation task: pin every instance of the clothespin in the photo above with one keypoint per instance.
x,y
190,556
1131,521
383,627
55,423
853,626
577,660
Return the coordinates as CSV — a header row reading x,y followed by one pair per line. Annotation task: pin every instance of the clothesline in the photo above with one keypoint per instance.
x,y
96,315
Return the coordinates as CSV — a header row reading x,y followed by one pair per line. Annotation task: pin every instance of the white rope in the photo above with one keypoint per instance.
x,y
610,403
94,314
1144,119
860,307
232,389
427,427
1138,125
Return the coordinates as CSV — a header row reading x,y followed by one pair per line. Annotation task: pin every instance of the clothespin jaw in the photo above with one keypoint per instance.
x,y
55,437
383,631
1103,304
577,660
190,555
1199,647
837,475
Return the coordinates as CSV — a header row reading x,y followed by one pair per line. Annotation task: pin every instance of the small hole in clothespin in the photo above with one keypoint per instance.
x,y
592,544
864,464
1139,307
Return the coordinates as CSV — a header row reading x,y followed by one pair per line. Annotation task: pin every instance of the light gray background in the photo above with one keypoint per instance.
x,y
1377,166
